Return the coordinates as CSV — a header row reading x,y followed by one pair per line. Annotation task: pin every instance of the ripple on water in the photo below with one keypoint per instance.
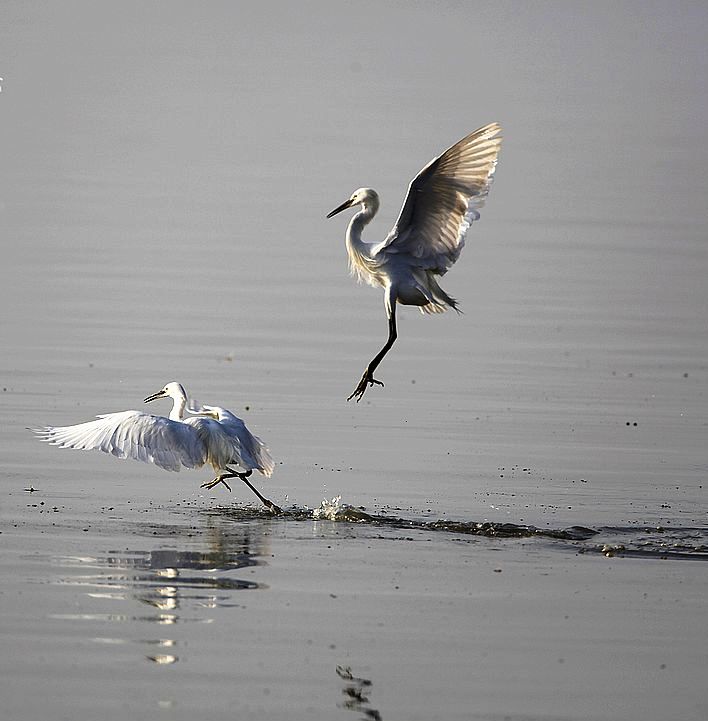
x,y
638,542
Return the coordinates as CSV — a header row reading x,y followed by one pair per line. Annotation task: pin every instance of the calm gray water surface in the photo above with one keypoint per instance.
x,y
166,173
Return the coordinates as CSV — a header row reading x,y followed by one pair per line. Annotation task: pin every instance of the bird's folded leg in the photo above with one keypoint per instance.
x,y
366,380
216,482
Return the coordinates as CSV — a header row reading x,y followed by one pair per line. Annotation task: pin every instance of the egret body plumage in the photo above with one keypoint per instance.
x,y
442,201
211,435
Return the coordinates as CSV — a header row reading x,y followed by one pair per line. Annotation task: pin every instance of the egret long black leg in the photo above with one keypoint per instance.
x,y
244,477
368,378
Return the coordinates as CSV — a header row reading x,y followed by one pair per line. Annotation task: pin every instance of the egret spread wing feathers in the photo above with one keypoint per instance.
x,y
132,434
442,201
173,442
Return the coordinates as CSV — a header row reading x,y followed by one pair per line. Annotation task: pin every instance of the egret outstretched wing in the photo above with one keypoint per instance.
x,y
132,434
442,201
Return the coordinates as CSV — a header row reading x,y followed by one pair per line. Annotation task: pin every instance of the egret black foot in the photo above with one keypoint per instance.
x,y
215,482
366,380
275,510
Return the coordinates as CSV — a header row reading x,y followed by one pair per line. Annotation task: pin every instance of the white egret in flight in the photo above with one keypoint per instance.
x,y
442,201
213,435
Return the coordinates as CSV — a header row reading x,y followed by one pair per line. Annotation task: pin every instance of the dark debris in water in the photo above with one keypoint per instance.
x,y
660,543
350,514
631,541
510,530
470,528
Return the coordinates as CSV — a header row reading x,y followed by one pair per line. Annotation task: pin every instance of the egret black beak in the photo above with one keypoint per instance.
x,y
346,204
155,396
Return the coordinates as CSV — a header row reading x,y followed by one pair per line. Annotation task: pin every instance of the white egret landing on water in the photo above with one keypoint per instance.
x,y
442,201
211,435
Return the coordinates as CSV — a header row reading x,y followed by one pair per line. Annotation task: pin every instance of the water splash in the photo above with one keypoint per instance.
x,y
620,541
328,509
335,510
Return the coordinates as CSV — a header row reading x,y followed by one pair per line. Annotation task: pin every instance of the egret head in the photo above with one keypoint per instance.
x,y
171,390
366,197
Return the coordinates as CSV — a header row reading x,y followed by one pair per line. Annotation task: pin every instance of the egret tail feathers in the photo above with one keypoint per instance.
x,y
440,301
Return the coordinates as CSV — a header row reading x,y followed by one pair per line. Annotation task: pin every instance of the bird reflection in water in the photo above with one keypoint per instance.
x,y
181,585
355,692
